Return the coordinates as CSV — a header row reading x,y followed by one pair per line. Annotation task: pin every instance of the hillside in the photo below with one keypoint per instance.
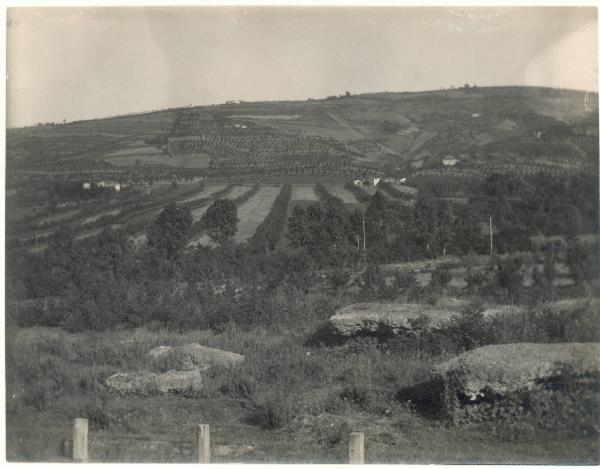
x,y
474,130
146,254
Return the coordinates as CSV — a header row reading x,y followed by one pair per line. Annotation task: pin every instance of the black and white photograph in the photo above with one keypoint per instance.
x,y
308,234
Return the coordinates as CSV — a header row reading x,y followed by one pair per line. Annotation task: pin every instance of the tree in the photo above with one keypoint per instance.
x,y
169,231
377,221
220,221
296,231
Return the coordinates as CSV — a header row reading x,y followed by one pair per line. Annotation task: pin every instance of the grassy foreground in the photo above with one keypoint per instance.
x,y
288,402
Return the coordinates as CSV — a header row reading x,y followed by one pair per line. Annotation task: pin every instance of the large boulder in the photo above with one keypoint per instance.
x,y
395,318
507,380
567,306
190,356
145,382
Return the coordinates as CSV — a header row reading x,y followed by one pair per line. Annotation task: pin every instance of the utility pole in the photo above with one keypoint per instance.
x,y
364,241
491,238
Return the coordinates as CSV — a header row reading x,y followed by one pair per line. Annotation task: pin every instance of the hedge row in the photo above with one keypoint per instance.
x,y
391,190
326,197
360,194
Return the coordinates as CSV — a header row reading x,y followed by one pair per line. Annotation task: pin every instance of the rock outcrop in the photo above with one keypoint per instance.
x,y
145,382
504,381
183,368
394,318
189,356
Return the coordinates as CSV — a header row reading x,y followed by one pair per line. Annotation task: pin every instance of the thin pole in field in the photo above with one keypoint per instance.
x,y
203,444
80,440
364,240
491,238
357,448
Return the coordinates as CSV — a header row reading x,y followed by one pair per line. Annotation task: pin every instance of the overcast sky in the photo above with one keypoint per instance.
x,y
74,63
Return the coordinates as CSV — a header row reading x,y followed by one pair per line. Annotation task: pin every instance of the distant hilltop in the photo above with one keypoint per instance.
x,y
468,131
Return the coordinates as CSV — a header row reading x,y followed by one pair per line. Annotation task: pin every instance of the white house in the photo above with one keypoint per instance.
x,y
87,185
114,185
449,161
366,182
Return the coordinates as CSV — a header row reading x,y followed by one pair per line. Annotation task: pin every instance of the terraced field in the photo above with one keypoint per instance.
x,y
253,212
198,213
138,154
238,191
58,217
93,218
207,191
96,232
405,189
250,214
304,192
338,190
371,190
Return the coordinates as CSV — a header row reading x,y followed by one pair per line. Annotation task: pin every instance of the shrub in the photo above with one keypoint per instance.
x,y
359,394
272,412
470,330
404,280
331,434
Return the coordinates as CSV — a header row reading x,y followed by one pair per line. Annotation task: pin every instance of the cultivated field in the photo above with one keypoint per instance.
x,y
405,189
208,190
96,232
252,212
93,218
237,191
304,192
58,217
198,213
338,190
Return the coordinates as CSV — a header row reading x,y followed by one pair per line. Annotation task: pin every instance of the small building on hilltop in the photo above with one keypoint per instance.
x,y
450,161
366,182
111,184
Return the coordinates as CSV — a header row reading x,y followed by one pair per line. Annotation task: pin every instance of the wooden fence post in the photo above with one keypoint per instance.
x,y
80,440
203,444
357,448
